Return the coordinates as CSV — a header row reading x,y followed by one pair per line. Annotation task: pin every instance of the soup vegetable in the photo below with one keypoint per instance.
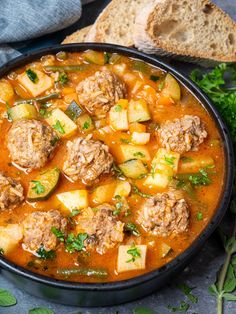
x,y
109,167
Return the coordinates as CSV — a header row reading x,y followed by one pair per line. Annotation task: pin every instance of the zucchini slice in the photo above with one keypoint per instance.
x,y
23,111
43,185
73,111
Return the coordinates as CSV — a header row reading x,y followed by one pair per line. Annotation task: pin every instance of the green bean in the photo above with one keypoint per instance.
x,y
66,68
90,272
42,99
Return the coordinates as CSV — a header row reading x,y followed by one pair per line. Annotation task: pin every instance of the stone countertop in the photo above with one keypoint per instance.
x,y
201,271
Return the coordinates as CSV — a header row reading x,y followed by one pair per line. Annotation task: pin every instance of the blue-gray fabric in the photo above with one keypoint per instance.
x,y
26,19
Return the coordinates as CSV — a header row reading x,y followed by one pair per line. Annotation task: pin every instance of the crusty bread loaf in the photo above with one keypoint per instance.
x,y
198,30
115,23
78,36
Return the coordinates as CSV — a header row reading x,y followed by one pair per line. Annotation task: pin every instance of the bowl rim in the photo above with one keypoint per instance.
x,y
228,180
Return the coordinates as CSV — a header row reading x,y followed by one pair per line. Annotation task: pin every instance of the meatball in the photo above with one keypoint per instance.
x,y
11,192
164,214
86,160
37,230
182,135
103,228
31,143
99,92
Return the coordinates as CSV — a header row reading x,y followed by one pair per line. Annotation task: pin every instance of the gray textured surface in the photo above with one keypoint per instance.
x,y
199,274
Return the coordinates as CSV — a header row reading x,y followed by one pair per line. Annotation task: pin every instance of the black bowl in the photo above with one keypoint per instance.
x,y
103,294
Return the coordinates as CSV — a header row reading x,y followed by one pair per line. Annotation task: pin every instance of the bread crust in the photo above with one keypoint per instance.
x,y
146,40
77,37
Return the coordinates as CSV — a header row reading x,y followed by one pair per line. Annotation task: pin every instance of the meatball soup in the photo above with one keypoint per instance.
x,y
109,167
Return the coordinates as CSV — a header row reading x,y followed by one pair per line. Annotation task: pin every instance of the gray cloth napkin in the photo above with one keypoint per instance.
x,y
26,19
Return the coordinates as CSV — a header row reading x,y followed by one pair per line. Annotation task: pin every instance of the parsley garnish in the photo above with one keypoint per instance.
x,y
32,76
169,160
134,252
59,127
131,227
1,251
118,108
106,57
199,216
87,124
43,254
38,187
200,178
139,154
58,233
125,140
54,141
185,159
63,78
75,243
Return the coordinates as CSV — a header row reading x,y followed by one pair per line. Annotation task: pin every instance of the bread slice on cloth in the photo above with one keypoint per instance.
x,y
116,22
196,31
78,36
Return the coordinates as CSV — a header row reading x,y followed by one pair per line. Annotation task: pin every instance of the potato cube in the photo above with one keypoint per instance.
x,y
123,188
76,199
103,193
10,236
125,261
140,138
138,111
194,164
6,91
166,161
118,118
137,127
133,169
157,180
43,83
61,123
126,152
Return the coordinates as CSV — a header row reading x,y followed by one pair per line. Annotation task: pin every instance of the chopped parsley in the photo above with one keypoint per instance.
x,y
54,141
199,216
118,108
38,187
134,252
1,251
125,140
200,178
169,160
185,159
153,170
139,154
154,78
58,233
43,254
59,127
118,205
106,57
75,212
75,243
87,124
32,76
132,228
63,78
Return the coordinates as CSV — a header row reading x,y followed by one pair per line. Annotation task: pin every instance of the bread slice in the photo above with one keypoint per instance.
x,y
197,31
115,23
78,36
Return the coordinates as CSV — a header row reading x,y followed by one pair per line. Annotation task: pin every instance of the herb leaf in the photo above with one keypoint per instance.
x,y
138,192
43,254
183,307
143,310
134,252
132,228
63,78
32,76
58,233
59,127
38,187
187,291
75,243
7,298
